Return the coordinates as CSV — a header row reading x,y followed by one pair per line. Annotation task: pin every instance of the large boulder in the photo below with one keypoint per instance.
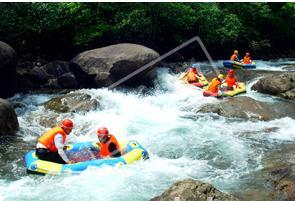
x,y
248,108
279,169
8,119
8,61
72,102
189,190
284,183
109,64
282,85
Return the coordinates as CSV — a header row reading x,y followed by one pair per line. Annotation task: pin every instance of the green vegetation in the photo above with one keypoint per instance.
x,y
63,29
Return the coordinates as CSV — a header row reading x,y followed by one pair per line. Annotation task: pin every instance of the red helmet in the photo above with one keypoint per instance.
x,y
247,54
192,69
102,131
67,123
231,71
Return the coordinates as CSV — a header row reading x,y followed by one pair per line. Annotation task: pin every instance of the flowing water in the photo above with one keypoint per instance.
x,y
227,153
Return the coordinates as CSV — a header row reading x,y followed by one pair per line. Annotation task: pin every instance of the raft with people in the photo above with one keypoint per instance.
x,y
85,155
224,92
239,65
219,87
236,62
193,77
239,89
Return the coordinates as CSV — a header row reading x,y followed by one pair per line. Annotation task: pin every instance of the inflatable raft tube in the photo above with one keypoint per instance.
x,y
234,64
202,80
132,151
240,89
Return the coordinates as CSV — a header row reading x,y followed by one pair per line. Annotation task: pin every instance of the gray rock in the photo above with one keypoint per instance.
x,y
289,94
248,108
72,102
283,180
54,75
67,80
282,85
111,63
57,68
8,61
191,190
280,170
8,119
39,75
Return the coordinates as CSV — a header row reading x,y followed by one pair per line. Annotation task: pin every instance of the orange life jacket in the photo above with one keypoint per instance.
x,y
104,146
233,57
191,77
230,81
47,139
247,60
213,87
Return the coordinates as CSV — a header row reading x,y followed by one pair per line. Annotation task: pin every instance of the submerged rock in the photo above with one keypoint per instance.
x,y
190,190
8,119
248,108
72,102
282,85
111,63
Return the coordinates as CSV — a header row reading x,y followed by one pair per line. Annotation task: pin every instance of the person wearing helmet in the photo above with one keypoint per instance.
x,y
214,86
235,56
50,146
193,75
247,59
109,146
231,80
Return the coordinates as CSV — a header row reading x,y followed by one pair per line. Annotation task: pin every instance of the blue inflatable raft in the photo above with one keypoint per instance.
x,y
234,64
131,152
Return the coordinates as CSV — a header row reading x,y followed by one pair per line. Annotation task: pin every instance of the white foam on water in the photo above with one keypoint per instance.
x,y
182,144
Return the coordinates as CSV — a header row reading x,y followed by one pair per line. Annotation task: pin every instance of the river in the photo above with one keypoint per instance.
x,y
227,153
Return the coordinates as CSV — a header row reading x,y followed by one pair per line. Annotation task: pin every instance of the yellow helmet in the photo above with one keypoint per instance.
x,y
236,52
220,76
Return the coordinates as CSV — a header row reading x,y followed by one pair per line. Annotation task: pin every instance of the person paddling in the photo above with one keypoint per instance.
x,y
50,146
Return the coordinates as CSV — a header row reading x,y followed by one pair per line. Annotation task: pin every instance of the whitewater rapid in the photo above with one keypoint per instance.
x,y
182,144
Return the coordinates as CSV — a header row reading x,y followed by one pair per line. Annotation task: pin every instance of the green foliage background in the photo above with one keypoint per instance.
x,y
60,30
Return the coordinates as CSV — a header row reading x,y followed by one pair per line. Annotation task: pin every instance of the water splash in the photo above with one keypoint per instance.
x,y
182,143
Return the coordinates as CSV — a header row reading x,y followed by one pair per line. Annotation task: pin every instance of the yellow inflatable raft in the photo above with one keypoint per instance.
x,y
240,89
202,80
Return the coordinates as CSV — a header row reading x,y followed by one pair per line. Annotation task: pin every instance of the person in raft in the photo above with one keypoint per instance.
x,y
214,87
192,76
247,59
235,56
109,146
50,146
231,80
